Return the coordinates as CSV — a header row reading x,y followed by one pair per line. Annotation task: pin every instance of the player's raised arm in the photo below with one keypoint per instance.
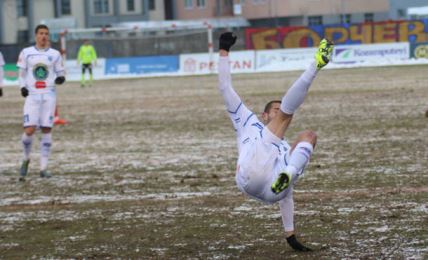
x,y
231,98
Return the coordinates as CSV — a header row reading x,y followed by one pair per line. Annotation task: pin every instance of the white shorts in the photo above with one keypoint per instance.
x,y
39,110
259,166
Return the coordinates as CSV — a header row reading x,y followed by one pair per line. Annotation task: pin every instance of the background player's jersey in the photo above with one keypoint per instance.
x,y
87,54
42,67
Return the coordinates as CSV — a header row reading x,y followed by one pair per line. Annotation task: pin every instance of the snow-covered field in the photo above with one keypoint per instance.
x,y
145,169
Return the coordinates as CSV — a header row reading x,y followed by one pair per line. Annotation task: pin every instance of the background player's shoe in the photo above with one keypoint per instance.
x,y
323,55
281,183
45,174
24,170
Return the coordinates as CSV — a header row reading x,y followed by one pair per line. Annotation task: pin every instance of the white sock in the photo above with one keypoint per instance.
x,y
297,92
27,141
299,158
45,150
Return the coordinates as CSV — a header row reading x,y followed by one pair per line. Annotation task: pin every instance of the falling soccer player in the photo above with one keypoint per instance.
x,y
87,55
40,68
268,167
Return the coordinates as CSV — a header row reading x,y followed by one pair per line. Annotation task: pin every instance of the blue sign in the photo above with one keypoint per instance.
x,y
142,65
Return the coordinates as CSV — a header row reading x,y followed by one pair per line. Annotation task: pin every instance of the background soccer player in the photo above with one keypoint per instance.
x,y
1,74
267,166
87,55
40,68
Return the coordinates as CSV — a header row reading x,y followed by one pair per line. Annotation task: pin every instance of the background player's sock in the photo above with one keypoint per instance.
x,y
297,92
45,150
27,141
299,157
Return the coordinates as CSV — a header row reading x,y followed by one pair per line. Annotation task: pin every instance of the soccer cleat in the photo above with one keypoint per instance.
x,y
281,183
24,170
323,55
45,174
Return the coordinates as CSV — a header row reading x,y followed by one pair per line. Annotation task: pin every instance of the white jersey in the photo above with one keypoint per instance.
x,y
249,128
261,155
42,67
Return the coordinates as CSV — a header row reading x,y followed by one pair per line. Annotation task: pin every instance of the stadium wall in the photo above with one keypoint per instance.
x,y
250,61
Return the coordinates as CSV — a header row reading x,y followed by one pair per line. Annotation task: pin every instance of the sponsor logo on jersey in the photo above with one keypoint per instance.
x,y
40,71
40,84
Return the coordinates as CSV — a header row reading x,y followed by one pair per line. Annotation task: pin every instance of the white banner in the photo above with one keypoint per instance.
x,y
371,52
204,63
284,59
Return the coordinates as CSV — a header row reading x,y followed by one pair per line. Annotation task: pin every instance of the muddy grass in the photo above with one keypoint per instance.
x,y
145,170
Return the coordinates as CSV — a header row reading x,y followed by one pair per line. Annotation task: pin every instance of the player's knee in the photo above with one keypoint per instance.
x,y
46,130
308,136
29,130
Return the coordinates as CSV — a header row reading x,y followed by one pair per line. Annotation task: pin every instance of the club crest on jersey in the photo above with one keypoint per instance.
x,y
40,71
50,58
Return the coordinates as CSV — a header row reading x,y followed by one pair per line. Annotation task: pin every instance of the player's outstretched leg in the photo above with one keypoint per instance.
x,y
290,103
27,141
45,150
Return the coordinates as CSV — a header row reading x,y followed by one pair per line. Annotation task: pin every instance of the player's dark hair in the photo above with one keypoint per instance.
x,y
40,26
269,105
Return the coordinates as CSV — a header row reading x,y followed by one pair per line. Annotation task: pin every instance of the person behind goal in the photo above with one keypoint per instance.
x,y
87,56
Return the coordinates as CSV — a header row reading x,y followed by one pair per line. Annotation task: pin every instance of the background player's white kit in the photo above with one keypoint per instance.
x,y
40,68
38,71
267,166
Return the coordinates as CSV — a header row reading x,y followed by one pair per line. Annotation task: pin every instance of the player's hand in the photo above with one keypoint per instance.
x,y
296,245
24,92
59,80
227,40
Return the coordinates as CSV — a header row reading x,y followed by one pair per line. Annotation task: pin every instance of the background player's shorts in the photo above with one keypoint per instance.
x,y
259,166
86,66
39,110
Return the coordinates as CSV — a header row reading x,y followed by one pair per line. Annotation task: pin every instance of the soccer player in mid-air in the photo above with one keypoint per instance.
x,y
268,167
87,55
40,68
